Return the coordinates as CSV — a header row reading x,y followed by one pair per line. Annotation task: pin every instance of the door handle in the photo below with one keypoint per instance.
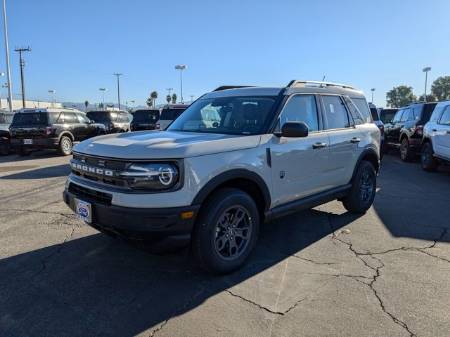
x,y
355,140
319,145
434,130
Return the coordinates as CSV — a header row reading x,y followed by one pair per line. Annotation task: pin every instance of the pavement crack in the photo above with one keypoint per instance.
x,y
280,313
377,271
66,215
312,261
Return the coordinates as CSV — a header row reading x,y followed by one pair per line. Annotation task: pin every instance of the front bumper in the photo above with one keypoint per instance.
x,y
38,143
138,223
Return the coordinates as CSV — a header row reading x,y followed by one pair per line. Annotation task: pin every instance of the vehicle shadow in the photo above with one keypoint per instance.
x,y
41,154
99,286
61,170
411,202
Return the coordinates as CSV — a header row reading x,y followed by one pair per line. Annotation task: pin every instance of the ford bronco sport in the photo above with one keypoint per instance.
x,y
234,159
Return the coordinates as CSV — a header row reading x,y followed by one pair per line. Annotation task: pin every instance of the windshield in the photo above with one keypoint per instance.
x,y
30,119
226,115
150,116
99,116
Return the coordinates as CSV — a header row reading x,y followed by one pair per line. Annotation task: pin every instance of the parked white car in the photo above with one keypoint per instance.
x,y
436,138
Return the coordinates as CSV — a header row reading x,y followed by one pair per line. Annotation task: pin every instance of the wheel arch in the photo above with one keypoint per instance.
x,y
370,155
248,181
66,133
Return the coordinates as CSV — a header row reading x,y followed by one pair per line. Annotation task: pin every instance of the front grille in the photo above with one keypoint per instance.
x,y
90,195
111,164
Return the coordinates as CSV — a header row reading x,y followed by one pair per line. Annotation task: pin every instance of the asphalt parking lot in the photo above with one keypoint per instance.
x,y
317,273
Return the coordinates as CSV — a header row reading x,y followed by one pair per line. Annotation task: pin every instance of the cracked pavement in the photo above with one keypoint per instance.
x,y
321,272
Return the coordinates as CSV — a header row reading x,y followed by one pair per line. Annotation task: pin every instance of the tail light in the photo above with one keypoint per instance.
x,y
157,126
49,130
418,130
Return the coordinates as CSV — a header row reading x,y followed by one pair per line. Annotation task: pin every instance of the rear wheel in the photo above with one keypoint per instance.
x,y
226,231
429,163
65,146
362,192
405,150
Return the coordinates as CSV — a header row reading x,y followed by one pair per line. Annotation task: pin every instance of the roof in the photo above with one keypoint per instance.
x,y
295,86
34,110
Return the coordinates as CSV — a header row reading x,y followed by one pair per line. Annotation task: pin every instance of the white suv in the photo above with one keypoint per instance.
x,y
436,138
234,159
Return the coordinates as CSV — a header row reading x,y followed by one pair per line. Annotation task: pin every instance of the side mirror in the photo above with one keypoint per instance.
x,y
294,130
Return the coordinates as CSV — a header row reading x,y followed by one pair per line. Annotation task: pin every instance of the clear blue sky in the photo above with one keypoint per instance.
x,y
77,45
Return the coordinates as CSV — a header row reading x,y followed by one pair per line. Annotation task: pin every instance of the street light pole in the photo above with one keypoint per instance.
x,y
52,96
373,90
426,70
118,87
103,96
181,67
169,91
8,71
22,65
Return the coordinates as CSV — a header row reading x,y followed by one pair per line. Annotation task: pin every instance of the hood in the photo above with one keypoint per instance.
x,y
4,127
163,144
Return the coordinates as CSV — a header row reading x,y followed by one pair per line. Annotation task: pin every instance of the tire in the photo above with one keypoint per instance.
x,y
22,152
363,190
215,244
429,163
65,146
405,150
4,149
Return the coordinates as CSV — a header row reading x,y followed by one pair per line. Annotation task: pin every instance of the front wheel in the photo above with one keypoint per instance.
x,y
427,159
362,192
65,146
226,231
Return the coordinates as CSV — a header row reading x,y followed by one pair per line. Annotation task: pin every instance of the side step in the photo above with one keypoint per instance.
x,y
307,202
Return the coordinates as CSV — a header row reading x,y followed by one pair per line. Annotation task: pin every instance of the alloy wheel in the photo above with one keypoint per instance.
x,y
233,232
367,186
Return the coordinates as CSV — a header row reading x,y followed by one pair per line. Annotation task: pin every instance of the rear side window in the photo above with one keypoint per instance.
x,y
427,111
301,108
363,108
398,116
171,114
445,119
70,118
355,112
335,113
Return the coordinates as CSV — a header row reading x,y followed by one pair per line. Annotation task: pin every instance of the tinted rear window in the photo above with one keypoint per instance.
x,y
30,119
170,114
387,115
99,116
427,111
363,108
6,119
149,116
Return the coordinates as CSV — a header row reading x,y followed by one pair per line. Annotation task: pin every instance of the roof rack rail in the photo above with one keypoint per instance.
x,y
226,87
302,83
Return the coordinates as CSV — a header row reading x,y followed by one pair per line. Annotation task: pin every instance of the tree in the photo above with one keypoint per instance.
x,y
174,98
100,106
149,102
168,99
86,104
400,96
154,96
430,98
441,88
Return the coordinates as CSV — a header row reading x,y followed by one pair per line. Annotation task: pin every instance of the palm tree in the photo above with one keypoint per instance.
x,y
174,98
154,96
168,99
86,104
149,102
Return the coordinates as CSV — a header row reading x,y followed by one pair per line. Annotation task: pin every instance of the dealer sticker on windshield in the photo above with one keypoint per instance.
x,y
83,210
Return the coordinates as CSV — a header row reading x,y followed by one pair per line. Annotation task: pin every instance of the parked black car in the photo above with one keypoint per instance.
x,y
387,114
379,123
405,131
114,121
144,119
34,129
5,136
169,113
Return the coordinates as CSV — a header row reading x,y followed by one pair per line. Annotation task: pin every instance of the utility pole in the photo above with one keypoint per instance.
x,y
373,90
22,65
426,70
181,67
8,71
169,91
118,87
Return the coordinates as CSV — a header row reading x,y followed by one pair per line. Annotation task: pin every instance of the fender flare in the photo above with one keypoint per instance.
x,y
224,177
369,151
66,133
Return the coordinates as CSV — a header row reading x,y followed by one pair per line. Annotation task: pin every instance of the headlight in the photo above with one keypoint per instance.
x,y
151,176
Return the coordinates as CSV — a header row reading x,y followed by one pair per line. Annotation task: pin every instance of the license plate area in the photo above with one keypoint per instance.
x,y
28,141
83,210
